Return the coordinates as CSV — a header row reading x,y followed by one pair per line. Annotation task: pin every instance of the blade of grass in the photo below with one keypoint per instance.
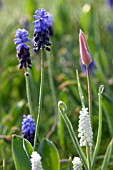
x,y
107,156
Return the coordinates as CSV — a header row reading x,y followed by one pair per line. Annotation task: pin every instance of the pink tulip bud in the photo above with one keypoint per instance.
x,y
84,49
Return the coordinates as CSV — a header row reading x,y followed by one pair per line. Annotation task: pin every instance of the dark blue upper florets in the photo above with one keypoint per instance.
x,y
43,29
28,128
22,48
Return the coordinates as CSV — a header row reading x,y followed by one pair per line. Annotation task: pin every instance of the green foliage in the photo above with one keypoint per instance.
x,y
70,164
49,155
63,109
22,151
98,141
107,156
69,16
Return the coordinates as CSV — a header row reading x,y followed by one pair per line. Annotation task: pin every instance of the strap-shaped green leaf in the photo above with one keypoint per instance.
x,y
97,146
107,156
22,150
62,108
49,155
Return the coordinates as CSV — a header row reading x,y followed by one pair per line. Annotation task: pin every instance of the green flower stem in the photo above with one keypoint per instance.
x,y
89,93
62,108
88,156
99,127
29,95
90,101
40,99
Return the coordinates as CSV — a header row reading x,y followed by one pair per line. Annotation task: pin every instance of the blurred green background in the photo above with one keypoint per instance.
x,y
95,18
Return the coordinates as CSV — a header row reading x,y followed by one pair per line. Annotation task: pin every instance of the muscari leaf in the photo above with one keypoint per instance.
x,y
97,146
49,154
63,109
22,150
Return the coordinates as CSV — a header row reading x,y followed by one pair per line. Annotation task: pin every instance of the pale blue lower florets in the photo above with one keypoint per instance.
x,y
36,161
77,164
85,129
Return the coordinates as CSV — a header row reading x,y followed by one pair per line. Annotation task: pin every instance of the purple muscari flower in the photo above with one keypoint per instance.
x,y
110,3
43,29
22,48
92,67
28,128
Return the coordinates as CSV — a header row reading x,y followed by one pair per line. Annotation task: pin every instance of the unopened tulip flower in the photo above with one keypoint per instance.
x,y
86,57
84,49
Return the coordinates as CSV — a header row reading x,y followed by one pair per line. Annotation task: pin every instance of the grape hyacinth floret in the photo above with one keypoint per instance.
x,y
28,128
43,29
22,48
77,164
85,129
36,161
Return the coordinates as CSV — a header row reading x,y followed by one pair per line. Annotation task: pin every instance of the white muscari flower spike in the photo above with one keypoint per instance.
x,y
85,129
36,161
77,164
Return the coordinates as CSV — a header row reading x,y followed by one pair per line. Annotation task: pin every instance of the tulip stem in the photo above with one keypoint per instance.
x,y
89,93
90,101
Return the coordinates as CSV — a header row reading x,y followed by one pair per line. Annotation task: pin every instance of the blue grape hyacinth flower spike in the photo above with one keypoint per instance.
x,y
28,128
22,48
43,29
110,3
